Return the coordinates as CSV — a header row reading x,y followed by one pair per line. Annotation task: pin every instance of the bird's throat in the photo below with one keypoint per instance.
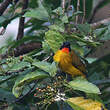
x,y
65,50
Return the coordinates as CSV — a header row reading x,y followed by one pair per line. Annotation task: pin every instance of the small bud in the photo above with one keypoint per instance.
x,y
37,88
35,95
59,77
21,58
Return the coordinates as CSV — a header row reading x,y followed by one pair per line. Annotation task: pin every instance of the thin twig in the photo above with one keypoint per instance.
x,y
63,6
84,11
78,6
47,58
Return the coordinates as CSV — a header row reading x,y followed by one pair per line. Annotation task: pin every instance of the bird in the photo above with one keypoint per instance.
x,y
69,62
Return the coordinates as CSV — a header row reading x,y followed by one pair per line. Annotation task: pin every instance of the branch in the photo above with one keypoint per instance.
x,y
99,23
26,48
21,21
4,6
95,11
23,49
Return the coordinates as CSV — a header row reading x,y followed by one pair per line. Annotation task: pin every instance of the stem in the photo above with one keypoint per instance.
x,y
84,11
78,6
63,6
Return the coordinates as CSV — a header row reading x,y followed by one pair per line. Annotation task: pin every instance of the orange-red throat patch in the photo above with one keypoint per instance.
x,y
65,50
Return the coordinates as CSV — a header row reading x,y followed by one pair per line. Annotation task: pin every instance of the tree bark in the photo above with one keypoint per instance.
x,y
21,21
4,6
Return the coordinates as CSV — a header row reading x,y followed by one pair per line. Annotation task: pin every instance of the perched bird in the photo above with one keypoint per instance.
x,y
69,62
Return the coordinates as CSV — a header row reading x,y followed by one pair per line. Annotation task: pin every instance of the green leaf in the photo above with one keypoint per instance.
x,y
59,28
42,65
91,60
2,19
6,95
54,39
94,97
25,79
103,33
99,69
45,46
18,107
99,32
19,66
85,104
78,48
39,13
84,28
64,19
83,85
87,42
48,67
106,35
28,59
75,107
58,11
17,91
53,69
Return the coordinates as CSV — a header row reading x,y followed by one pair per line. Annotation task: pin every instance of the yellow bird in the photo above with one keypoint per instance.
x,y
68,61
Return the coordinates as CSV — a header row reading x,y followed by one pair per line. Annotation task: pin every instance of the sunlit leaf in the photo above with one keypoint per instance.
x,y
39,13
65,19
84,28
53,69
58,11
20,65
48,67
54,39
59,28
85,104
83,85
25,79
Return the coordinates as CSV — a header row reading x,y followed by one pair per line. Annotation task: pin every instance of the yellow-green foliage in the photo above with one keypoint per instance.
x,y
86,104
54,39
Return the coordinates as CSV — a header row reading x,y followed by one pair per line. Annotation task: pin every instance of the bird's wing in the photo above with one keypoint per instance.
x,y
76,61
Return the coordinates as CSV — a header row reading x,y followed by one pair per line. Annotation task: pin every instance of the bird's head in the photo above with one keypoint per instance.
x,y
65,47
